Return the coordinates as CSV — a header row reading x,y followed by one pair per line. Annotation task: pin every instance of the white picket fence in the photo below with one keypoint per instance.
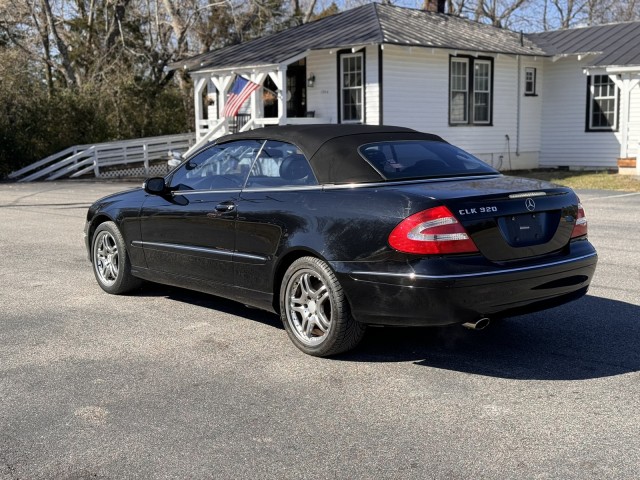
x,y
138,157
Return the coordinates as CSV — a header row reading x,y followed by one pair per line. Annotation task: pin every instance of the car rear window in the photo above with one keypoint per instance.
x,y
409,159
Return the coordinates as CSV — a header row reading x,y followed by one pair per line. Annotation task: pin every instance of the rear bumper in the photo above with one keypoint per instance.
x,y
446,291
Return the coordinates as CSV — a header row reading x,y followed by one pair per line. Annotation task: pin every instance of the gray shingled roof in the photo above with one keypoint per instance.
x,y
616,44
369,24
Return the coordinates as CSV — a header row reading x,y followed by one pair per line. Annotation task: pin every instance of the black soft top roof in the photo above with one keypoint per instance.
x,y
332,149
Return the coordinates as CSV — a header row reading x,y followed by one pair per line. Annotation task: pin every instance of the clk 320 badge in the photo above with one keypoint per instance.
x,y
473,211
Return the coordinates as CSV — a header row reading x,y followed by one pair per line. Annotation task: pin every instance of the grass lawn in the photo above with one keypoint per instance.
x,y
585,180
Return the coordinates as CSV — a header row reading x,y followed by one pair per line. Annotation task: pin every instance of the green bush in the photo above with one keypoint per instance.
x,y
34,124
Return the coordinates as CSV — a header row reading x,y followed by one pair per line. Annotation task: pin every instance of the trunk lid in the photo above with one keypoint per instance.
x,y
509,218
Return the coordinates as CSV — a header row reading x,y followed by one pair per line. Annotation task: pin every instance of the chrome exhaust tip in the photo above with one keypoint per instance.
x,y
479,324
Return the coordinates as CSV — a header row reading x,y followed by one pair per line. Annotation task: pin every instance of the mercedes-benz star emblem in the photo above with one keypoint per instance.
x,y
530,204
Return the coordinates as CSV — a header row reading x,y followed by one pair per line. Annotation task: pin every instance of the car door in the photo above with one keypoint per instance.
x,y
189,232
276,192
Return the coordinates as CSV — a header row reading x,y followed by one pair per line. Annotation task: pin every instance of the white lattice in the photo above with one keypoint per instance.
x,y
154,170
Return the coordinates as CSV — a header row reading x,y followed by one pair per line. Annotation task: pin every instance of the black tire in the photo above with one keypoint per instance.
x,y
111,265
315,311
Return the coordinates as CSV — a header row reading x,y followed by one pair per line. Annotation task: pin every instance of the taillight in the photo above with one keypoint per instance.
x,y
580,228
433,231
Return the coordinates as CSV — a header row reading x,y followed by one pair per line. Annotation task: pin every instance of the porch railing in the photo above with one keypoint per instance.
x,y
138,157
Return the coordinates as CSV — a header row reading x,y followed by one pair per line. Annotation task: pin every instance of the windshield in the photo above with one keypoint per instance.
x,y
422,159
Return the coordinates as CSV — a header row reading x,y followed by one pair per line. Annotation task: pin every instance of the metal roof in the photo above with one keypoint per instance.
x,y
615,44
369,24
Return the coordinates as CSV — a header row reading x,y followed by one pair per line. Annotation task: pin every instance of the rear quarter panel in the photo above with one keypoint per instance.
x,y
335,224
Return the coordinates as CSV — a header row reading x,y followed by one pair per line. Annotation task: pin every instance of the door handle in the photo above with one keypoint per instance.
x,y
225,207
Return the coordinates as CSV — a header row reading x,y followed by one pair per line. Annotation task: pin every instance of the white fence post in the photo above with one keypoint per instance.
x,y
96,170
145,156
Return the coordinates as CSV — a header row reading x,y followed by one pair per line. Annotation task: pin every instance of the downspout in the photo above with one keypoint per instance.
x,y
626,114
518,106
380,86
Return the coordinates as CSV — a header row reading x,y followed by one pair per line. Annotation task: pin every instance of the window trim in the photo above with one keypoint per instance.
x,y
170,177
534,71
470,107
590,102
265,145
489,92
465,61
346,54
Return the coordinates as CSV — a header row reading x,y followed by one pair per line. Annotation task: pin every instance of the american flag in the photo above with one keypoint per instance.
x,y
240,91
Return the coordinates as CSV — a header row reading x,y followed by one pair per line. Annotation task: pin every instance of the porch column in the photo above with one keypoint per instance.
x,y
198,88
222,84
626,83
256,97
282,97
279,77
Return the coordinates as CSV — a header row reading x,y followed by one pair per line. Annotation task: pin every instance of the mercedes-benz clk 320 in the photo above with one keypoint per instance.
x,y
336,227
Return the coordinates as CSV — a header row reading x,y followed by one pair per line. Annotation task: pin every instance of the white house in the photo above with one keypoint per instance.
x,y
562,99
591,103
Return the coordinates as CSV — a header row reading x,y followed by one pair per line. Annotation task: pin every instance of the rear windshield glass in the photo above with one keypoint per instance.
x,y
422,159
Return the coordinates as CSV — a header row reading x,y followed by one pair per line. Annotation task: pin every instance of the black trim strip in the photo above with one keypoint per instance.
x,y
333,186
207,251
475,275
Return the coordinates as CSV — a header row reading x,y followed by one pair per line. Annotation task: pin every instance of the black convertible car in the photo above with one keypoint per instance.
x,y
341,226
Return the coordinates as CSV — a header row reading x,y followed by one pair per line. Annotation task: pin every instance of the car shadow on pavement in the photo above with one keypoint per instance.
x,y
591,338
212,302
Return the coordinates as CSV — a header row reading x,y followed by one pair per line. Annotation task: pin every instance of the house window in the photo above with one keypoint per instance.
x,y
352,88
481,91
471,91
603,103
459,101
530,81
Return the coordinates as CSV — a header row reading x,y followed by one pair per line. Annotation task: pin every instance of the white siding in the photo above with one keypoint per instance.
x,y
634,123
372,92
323,97
564,139
531,108
416,95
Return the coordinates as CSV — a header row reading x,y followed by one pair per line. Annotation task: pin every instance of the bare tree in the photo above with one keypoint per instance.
x,y
498,12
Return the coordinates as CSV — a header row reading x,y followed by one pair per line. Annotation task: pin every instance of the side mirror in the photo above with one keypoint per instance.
x,y
155,186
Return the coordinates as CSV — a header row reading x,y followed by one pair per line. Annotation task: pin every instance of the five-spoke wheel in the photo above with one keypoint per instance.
x,y
111,264
314,310
106,258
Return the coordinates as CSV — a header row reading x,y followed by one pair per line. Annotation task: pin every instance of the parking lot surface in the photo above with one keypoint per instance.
x,y
167,383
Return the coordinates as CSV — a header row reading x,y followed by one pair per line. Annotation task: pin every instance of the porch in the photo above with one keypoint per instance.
x,y
281,100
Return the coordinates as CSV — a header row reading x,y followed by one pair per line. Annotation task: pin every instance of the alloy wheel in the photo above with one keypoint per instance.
x,y
308,307
106,259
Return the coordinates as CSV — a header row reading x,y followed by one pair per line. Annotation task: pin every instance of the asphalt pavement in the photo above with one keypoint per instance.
x,y
166,383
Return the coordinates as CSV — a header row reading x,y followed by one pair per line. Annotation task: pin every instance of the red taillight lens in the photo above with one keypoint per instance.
x,y
580,228
433,232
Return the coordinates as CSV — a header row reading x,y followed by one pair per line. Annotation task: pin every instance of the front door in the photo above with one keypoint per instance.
x,y
297,90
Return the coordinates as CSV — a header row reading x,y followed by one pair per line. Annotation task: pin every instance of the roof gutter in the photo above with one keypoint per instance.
x,y
613,69
238,69
580,55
